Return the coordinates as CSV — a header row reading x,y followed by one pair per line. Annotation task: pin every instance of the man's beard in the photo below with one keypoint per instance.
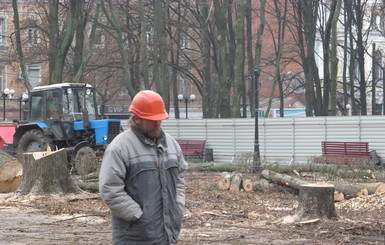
x,y
151,133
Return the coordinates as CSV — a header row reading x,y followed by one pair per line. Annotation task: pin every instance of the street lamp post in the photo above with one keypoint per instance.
x,y
186,100
257,156
348,107
5,94
23,99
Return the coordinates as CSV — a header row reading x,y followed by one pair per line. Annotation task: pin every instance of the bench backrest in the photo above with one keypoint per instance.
x,y
345,148
192,146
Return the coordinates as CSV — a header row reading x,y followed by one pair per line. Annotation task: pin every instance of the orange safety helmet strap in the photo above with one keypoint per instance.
x,y
148,105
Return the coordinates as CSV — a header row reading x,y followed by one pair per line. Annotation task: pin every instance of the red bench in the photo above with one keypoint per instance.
x,y
193,148
343,152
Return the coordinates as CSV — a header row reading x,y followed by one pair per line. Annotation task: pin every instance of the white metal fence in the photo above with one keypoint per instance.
x,y
283,140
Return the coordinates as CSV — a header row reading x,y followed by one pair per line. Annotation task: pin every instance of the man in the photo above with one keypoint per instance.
x,y
142,177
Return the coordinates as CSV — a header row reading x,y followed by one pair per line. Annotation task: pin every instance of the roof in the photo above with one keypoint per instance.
x,y
59,85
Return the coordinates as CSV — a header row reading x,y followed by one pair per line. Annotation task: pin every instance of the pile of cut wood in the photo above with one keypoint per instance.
x,y
272,181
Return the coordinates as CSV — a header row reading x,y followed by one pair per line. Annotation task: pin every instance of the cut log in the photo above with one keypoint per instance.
x,y
46,173
358,189
372,188
259,185
11,172
87,186
236,182
224,181
350,190
342,171
283,179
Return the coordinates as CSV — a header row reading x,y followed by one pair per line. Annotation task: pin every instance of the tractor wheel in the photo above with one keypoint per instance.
x,y
85,161
31,141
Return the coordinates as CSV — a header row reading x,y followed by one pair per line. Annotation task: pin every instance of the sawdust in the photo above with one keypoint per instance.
x,y
369,202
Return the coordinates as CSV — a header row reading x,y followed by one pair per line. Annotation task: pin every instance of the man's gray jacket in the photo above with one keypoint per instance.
x,y
142,182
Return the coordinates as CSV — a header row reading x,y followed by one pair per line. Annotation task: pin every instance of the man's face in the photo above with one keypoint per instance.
x,y
150,128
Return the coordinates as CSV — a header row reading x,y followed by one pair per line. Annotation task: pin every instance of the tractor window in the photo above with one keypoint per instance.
x,y
37,108
53,104
73,103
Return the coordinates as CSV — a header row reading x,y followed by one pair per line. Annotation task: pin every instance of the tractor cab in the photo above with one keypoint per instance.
x,y
66,102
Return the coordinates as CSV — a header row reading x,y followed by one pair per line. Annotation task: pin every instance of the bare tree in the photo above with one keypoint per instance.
x,y
239,75
116,32
306,15
280,14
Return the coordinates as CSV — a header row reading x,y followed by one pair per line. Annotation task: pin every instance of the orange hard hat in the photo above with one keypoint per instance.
x,y
148,105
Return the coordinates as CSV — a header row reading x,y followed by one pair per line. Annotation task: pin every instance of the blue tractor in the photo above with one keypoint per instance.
x,y
65,116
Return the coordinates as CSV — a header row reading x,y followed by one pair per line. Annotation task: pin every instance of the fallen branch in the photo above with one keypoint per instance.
x,y
226,214
77,217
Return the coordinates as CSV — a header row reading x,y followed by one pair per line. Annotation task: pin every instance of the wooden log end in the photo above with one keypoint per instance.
x,y
247,185
224,184
362,192
380,188
338,196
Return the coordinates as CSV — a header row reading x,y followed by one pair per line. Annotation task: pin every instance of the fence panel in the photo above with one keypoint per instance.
x,y
282,140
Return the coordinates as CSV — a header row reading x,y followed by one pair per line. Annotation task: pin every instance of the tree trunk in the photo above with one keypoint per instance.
x,y
46,173
207,95
10,173
239,73
224,102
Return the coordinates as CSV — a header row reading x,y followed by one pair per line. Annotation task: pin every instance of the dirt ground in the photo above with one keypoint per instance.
x,y
212,216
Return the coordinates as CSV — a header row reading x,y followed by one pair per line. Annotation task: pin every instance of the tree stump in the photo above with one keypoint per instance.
x,y
46,173
316,201
11,173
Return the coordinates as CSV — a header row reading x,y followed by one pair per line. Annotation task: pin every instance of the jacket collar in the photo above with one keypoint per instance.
x,y
159,142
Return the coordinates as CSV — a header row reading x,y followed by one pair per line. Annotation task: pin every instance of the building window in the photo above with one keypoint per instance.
x,y
380,22
33,36
34,75
100,38
184,41
377,66
149,36
356,67
2,77
2,31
